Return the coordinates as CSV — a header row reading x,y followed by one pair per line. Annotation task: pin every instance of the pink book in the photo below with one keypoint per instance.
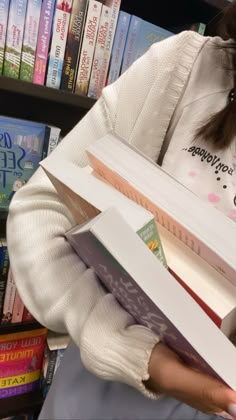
x,y
43,42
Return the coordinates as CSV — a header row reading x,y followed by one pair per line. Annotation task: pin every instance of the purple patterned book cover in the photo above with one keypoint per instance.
x,y
118,281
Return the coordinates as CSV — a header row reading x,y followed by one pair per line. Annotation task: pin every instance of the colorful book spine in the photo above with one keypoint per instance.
x,y
4,268
99,54
115,8
14,38
30,40
18,309
88,47
58,44
73,44
20,362
4,9
118,46
43,42
9,299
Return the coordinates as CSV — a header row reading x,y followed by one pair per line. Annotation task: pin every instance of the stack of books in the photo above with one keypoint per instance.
x,y
166,255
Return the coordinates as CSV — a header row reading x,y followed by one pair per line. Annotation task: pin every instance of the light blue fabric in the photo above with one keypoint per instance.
x,y
77,394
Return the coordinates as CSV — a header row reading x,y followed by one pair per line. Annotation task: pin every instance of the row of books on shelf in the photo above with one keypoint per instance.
x,y
29,360
74,45
23,145
165,254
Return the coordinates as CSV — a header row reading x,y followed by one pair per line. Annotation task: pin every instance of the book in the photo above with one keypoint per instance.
x,y
207,231
88,47
23,144
58,43
99,53
76,187
118,46
9,299
43,41
145,288
4,268
86,196
27,316
30,40
14,38
4,9
99,79
54,138
141,35
73,44
20,361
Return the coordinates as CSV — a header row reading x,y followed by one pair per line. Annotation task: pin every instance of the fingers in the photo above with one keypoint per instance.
x,y
171,377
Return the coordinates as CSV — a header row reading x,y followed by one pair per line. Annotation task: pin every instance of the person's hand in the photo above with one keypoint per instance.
x,y
168,375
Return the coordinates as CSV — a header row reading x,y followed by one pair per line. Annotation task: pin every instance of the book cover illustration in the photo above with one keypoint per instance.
x,y
43,42
4,10
118,46
22,147
14,38
20,362
58,43
73,44
30,40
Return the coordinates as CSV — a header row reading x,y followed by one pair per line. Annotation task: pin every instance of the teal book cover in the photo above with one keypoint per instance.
x,y
22,146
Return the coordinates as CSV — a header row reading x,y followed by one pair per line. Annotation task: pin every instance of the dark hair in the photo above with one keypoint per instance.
x,y
220,129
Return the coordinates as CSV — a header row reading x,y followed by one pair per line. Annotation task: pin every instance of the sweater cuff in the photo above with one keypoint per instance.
x,y
120,350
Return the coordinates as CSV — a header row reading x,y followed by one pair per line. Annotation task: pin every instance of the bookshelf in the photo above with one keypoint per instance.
x,y
39,103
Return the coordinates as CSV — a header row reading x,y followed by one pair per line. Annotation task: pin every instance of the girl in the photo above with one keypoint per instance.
x,y
177,97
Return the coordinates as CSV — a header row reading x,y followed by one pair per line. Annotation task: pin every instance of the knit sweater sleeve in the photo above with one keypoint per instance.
x,y
53,282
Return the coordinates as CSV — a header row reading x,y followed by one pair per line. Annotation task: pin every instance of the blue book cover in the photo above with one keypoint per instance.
x,y
142,34
22,146
134,27
148,34
118,46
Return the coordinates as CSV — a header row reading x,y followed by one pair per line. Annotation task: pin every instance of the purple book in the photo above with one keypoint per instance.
x,y
145,288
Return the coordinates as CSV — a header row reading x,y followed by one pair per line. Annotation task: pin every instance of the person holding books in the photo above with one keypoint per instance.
x,y
177,104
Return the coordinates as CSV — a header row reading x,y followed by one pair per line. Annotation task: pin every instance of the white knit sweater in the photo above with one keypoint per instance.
x,y
54,284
